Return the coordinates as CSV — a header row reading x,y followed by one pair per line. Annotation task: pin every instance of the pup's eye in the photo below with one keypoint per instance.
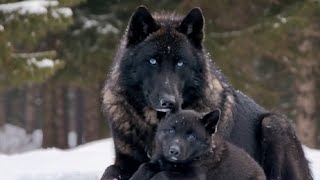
x,y
171,131
180,63
191,137
153,61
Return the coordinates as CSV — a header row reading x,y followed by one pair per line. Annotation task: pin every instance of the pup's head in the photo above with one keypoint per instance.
x,y
185,135
162,58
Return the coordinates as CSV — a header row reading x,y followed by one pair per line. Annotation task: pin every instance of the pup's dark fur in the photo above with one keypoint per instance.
x,y
186,149
162,61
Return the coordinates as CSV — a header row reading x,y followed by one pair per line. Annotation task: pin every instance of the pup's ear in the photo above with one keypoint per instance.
x,y
140,26
193,27
210,121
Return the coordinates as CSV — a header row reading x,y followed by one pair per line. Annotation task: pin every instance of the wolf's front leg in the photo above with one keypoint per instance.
x,y
123,168
146,171
283,157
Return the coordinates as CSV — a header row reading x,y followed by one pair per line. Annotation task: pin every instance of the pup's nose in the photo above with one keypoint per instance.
x,y
174,151
167,101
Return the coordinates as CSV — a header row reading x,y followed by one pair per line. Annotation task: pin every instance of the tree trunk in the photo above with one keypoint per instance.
x,y
92,113
306,103
71,111
79,116
55,128
60,117
2,108
30,109
48,125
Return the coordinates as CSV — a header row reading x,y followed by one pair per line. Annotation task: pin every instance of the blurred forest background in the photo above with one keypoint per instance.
x,y
55,58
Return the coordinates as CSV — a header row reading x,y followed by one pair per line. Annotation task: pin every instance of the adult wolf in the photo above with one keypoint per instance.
x,y
161,61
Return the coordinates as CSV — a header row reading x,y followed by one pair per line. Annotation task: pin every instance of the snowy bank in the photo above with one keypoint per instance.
x,y
86,162
28,7
313,156
14,139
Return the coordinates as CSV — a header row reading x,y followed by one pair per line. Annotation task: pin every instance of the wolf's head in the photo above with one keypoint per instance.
x,y
162,61
185,135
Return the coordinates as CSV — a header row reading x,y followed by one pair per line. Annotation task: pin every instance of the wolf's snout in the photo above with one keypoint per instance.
x,y
168,102
174,151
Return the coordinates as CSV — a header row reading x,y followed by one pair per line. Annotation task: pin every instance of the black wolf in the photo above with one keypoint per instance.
x,y
186,149
162,61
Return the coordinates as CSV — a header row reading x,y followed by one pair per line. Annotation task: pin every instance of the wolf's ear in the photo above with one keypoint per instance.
x,y
211,120
140,26
193,26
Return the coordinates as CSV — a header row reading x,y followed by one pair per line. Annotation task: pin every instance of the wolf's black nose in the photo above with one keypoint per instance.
x,y
167,101
174,151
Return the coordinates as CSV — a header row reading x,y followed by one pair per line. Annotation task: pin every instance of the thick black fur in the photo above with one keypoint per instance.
x,y
186,149
161,61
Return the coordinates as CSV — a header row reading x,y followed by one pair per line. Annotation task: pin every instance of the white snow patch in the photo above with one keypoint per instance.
x,y
101,27
72,139
89,23
313,155
37,137
44,63
65,12
276,25
28,7
1,27
282,19
14,139
108,29
86,162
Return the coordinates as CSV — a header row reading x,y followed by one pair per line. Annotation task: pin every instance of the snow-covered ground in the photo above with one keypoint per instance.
x,y
314,157
14,139
85,162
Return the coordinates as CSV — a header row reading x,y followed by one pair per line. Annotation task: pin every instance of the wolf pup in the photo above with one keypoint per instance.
x,y
162,61
186,149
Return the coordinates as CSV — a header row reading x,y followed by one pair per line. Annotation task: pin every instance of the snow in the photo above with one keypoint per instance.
x,y
44,63
65,12
14,139
1,28
276,25
102,28
28,7
85,162
108,29
72,139
90,23
313,155
282,19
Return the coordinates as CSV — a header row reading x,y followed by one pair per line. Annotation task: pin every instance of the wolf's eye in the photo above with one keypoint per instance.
x,y
153,61
191,137
180,63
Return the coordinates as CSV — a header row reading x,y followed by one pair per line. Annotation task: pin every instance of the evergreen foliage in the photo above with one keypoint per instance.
x,y
259,45
25,27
